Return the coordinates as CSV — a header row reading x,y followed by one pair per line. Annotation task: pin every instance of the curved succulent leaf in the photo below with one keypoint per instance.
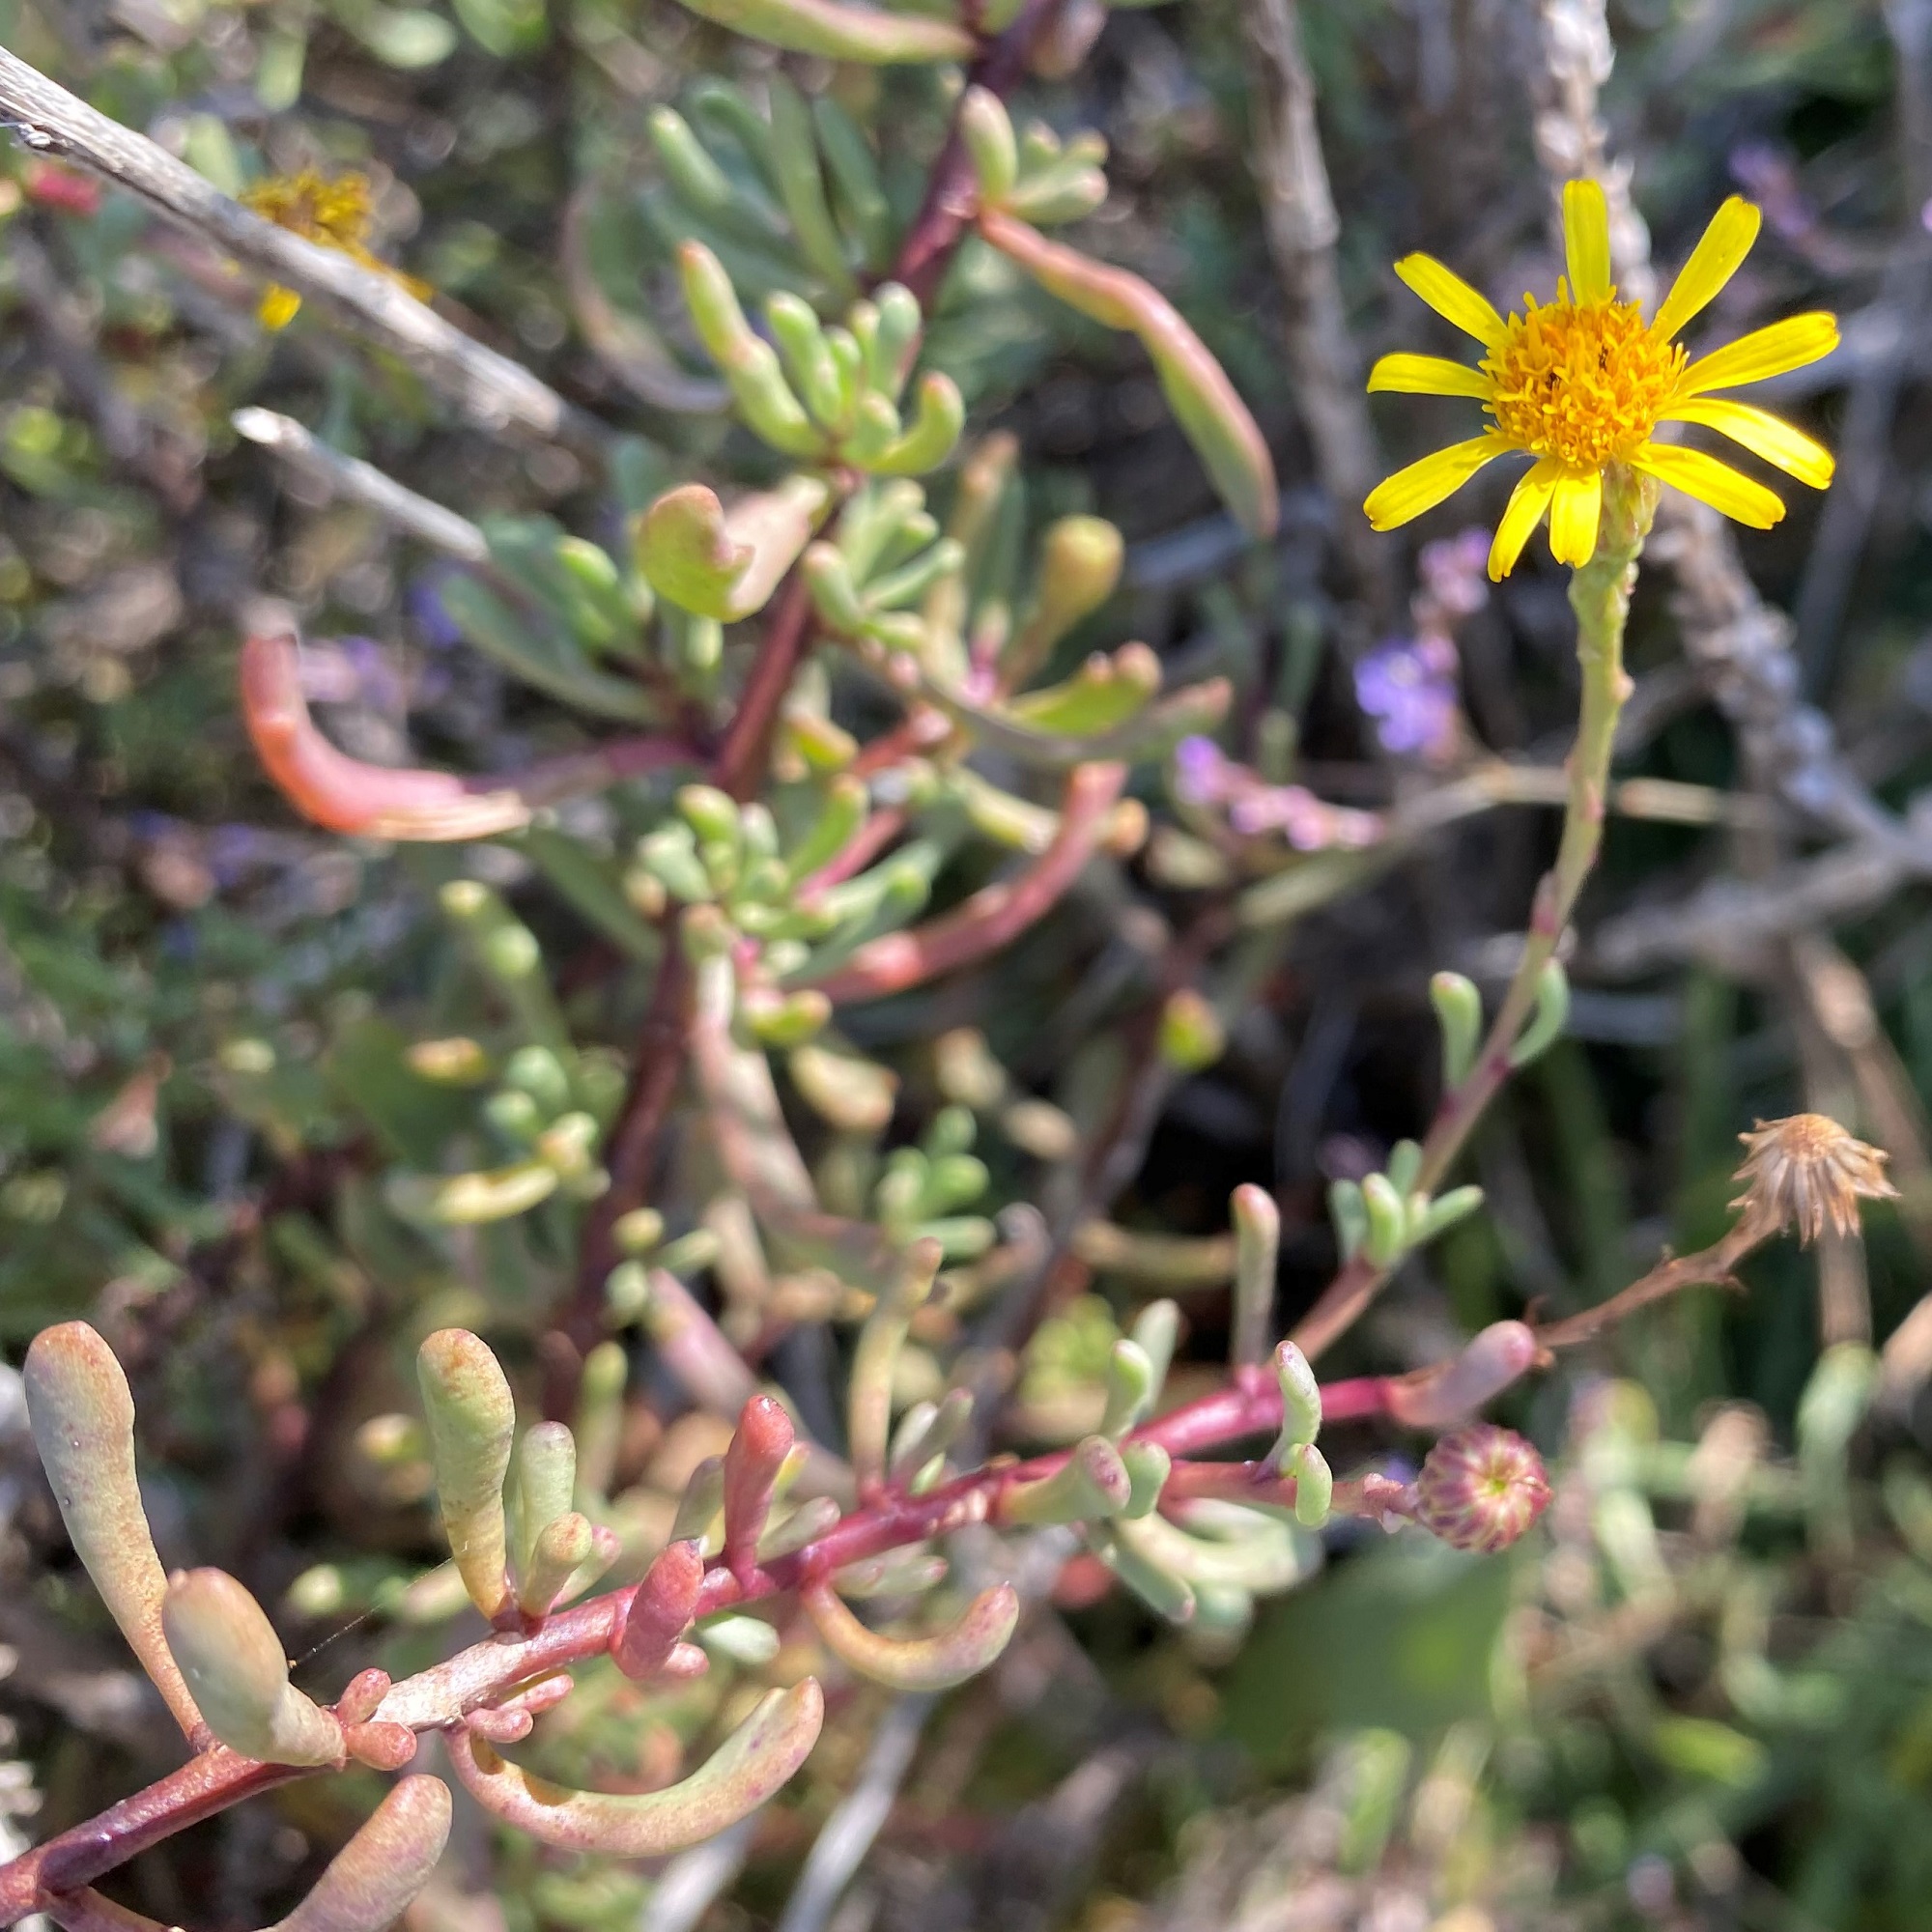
x,y
753,1763
726,563
934,1662
344,794
1218,422
383,1867
82,1416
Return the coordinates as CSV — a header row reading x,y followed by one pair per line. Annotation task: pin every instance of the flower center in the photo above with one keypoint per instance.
x,y
1580,382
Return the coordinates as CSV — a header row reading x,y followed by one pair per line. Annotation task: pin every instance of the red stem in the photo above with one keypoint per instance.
x,y
953,191
489,1671
993,917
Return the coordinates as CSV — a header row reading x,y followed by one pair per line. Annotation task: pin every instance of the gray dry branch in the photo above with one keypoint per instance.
x,y
490,388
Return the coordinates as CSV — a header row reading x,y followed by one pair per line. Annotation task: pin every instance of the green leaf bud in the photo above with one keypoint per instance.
x,y
539,1072
1257,1249
1405,1164
1314,1485
563,1547
1388,1221
1147,1466
807,356
987,130
1191,1037
544,1486
784,1020
1130,1389
894,338
1349,1216
832,590
939,416
451,1062
637,1232
471,1200
699,182
1089,1486
1301,1399
1442,1214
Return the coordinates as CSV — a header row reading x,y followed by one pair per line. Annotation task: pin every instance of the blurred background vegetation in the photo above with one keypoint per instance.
x,y
1701,1697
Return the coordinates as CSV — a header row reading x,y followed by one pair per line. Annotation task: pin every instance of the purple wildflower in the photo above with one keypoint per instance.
x,y
1206,776
1409,688
1200,772
428,612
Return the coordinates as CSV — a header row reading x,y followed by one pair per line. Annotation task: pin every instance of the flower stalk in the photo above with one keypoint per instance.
x,y
1600,594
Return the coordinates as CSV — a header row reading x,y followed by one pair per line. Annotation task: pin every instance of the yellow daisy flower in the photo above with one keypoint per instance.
x,y
1585,381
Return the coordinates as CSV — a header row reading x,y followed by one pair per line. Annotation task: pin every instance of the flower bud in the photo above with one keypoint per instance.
x,y
1481,1489
1257,1243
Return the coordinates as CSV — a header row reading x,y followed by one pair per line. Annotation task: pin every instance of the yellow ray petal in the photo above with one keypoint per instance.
x,y
1452,297
1574,509
1428,376
1526,505
1724,243
1711,482
1586,240
1784,345
1398,499
1763,435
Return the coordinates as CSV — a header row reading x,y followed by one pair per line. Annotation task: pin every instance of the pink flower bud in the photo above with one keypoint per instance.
x,y
1481,1489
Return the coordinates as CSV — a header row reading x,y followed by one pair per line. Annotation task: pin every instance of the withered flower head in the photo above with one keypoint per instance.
x,y
1805,1170
1480,1488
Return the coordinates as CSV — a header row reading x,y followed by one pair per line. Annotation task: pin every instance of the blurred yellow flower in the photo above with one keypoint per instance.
x,y
336,214
1583,381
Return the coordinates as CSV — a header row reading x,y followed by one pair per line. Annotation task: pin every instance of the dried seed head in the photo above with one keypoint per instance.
x,y
1807,1170
1481,1489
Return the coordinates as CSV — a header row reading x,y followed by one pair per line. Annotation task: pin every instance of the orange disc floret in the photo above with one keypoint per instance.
x,y
1585,382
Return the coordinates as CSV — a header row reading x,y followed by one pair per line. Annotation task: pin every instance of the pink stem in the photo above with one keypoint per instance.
x,y
487,1672
996,915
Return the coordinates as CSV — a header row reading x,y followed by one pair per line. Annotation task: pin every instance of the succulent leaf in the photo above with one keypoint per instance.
x,y
235,1665
934,1662
472,1421
748,1769
82,1416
